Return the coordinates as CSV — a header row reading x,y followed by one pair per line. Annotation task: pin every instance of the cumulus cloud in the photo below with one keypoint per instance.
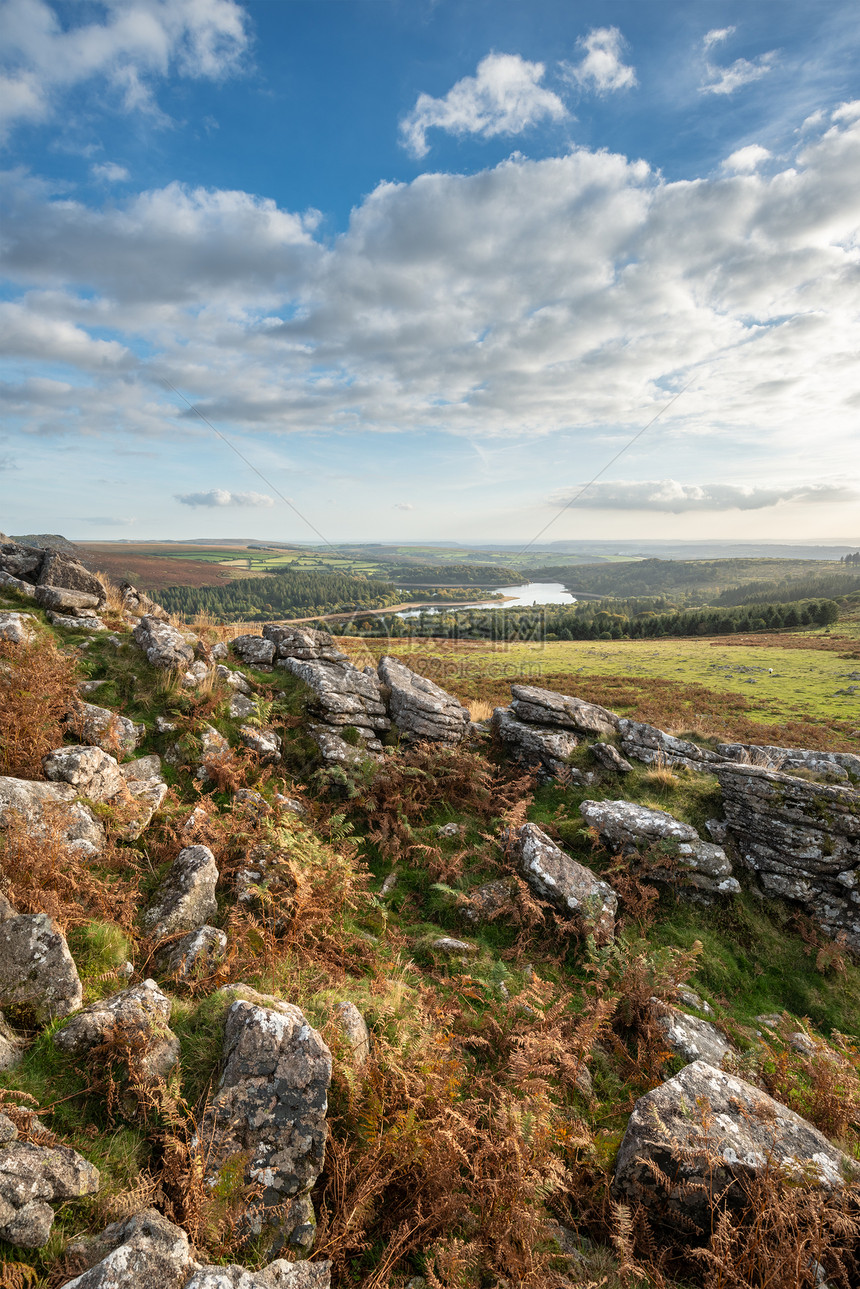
x,y
109,172
746,160
669,496
725,80
128,45
602,68
505,96
219,497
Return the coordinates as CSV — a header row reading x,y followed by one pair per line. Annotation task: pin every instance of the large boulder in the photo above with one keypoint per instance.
x,y
164,646
270,1110
422,709
303,643
653,746
185,900
33,1176
149,1252
59,570
692,1038
571,887
139,1015
21,562
62,599
538,706
341,695
254,651
37,973
629,828
543,747
801,837
101,727
92,771
15,584
704,1135
49,810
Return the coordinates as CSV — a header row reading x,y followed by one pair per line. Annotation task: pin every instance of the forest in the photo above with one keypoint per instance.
x,y
303,593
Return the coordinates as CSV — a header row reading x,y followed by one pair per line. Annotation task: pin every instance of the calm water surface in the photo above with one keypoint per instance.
x,y
520,596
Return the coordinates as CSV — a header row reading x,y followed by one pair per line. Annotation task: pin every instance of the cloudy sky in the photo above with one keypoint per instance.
x,y
430,267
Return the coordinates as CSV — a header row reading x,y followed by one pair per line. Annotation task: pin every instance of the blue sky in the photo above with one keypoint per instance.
x,y
430,267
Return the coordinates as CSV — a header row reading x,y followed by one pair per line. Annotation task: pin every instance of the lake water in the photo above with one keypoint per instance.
x,y
516,597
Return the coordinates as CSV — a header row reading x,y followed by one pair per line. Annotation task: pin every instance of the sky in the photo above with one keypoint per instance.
x,y
469,270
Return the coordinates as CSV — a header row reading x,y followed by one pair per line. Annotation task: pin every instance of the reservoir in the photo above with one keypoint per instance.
x,y
515,597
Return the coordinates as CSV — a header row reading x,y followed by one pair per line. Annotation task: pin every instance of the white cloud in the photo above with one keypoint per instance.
x,y
669,496
602,68
505,96
403,505
743,71
128,43
110,172
218,497
746,160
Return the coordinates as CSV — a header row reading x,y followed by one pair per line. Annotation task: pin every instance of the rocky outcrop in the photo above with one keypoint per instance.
x,y
58,570
76,604
343,696
164,646
608,756
149,1252
270,1110
93,772
101,727
691,1038
303,643
538,706
186,898
37,973
420,708
31,1178
802,839
75,623
49,810
264,743
15,584
139,1015
254,651
628,828
571,887
832,765
536,746
138,605
707,1133
655,747
21,562
16,628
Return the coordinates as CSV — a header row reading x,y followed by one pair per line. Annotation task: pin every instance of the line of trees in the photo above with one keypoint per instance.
x,y
286,594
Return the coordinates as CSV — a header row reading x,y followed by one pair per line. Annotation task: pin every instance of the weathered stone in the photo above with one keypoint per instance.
x,y
101,727
421,708
627,827
37,972
15,584
353,1027
690,998
342,696
693,1039
186,899
572,888
16,627
141,1252
536,746
241,707
834,765
79,623
147,796
265,743
610,758
234,679
212,742
164,646
197,954
30,1177
336,751
21,562
139,604
270,1109
49,809
801,837
451,947
277,1275
12,1048
58,570
254,650
66,600
654,747
145,769
196,674
545,707
709,1133
449,830
92,771
486,902
140,1014
303,643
